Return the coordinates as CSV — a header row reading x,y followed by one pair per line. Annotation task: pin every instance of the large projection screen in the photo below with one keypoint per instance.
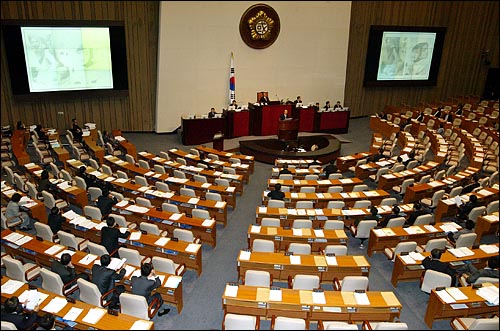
x,y
67,58
406,55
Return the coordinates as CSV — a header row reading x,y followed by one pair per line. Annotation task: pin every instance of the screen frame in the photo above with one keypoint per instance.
x,y
373,56
14,51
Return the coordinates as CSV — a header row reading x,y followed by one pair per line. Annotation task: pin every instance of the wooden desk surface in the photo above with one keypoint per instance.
x,y
247,159
107,321
344,162
37,210
448,207
321,185
486,224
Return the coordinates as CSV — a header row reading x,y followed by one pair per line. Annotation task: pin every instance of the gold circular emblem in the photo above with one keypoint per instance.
x,y
259,26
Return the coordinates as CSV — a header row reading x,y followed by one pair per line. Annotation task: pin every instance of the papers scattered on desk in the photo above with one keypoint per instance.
x,y
489,293
352,212
94,315
456,293
73,314
371,193
431,228
143,188
379,232
361,298
136,235
389,231
275,295
255,229
33,298
294,195
175,216
484,192
489,249
245,255
55,305
461,252
23,240
88,258
64,185
449,227
137,209
407,259
30,165
109,179
221,204
13,237
206,185
70,214
301,212
193,248
294,259
193,201
11,286
162,241
416,256
319,233
320,195
54,249
141,325
208,222
445,296
121,180
319,298
345,180
231,291
173,281
230,189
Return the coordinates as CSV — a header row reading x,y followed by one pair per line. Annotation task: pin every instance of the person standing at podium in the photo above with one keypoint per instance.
x,y
264,100
284,116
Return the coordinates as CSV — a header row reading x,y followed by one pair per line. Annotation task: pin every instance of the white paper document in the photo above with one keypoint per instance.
x,y
255,229
319,298
141,325
54,249
208,222
231,291
445,296
193,248
331,260
88,259
294,259
55,305
11,286
245,255
275,295
136,235
361,298
162,241
173,281
94,315
456,293
73,314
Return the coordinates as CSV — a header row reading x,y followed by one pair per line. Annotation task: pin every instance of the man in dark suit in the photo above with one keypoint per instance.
x,y
465,209
438,112
418,211
66,270
55,220
105,279
448,117
491,270
14,313
76,130
331,168
284,116
264,100
420,117
146,283
212,113
474,184
285,170
395,214
298,100
110,235
432,262
105,203
276,194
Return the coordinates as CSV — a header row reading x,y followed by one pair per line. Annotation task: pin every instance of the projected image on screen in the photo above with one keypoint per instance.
x,y
406,55
63,59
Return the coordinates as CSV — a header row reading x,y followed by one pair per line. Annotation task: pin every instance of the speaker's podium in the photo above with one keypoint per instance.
x,y
288,129
218,141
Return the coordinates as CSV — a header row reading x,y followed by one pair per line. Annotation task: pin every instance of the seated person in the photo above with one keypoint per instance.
x,y
44,183
382,115
285,169
14,313
473,185
66,270
380,155
89,179
374,215
105,279
420,117
337,106
284,116
469,228
418,211
465,209
264,100
396,212
20,125
42,136
448,117
298,100
212,113
315,161
432,262
327,106
411,157
108,138
331,168
234,104
14,210
106,202
276,194
47,322
472,273
146,283
76,130
316,106
55,220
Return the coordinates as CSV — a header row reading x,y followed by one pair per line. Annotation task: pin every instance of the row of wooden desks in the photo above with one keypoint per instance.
x,y
310,305
282,237
190,171
486,224
364,171
36,207
319,216
320,200
388,181
345,162
12,288
45,252
320,186
225,156
407,268
297,173
297,163
280,265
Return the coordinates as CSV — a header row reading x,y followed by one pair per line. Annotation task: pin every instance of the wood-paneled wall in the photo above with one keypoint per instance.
x,y
132,113
472,26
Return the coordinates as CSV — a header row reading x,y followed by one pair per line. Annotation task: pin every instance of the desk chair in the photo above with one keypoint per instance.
x,y
186,235
439,243
11,223
335,176
307,189
122,174
20,183
454,192
158,168
136,305
401,247
89,293
360,204
17,270
303,282
433,202
92,212
258,278
335,249
122,222
49,201
388,202
333,225
470,323
70,240
476,212
130,159
384,326
163,264
335,189
333,325
143,202
335,204
200,213
166,206
141,180
302,224
152,229
285,176
465,240
287,323
432,279
200,178
162,186
189,192
358,163
272,203
270,221
97,249
179,174
107,170
380,172
263,245
52,282
240,322
8,326
94,193
164,155
299,248
396,222
351,283
360,188
492,207
401,189
362,231
133,257
222,182
304,204
45,232
144,164
423,219
93,163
